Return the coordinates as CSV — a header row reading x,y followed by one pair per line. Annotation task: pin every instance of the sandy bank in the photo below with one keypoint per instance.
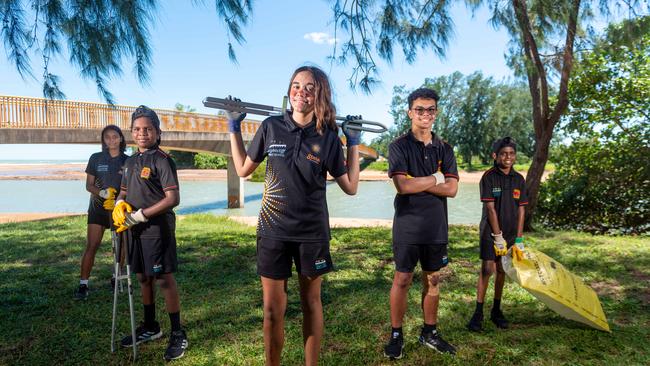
x,y
76,172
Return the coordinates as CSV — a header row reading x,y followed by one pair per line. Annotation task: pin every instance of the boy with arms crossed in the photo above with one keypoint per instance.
x,y
423,169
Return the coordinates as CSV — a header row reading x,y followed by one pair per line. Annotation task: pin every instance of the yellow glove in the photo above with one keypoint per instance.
x,y
109,204
500,245
517,253
119,212
108,193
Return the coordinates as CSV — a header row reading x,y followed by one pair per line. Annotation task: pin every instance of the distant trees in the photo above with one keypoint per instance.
x,y
474,110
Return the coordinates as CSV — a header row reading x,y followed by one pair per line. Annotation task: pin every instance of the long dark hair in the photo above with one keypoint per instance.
x,y
119,132
324,109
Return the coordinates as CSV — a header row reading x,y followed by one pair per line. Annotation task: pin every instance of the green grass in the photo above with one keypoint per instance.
x,y
222,303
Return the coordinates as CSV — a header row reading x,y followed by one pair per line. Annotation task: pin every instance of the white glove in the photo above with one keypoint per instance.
x,y
500,245
440,178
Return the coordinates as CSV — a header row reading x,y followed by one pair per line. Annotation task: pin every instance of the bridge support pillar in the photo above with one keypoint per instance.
x,y
235,187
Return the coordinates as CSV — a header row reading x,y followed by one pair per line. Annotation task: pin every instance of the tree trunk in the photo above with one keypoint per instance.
x,y
535,173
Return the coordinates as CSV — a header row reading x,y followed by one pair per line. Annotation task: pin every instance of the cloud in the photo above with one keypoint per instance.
x,y
319,38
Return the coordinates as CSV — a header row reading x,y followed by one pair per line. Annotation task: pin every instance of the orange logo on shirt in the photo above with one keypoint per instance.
x,y
313,158
145,173
516,194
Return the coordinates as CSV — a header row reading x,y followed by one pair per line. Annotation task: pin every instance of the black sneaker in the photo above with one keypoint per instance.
x,y
498,319
476,323
142,334
434,341
81,293
177,345
393,349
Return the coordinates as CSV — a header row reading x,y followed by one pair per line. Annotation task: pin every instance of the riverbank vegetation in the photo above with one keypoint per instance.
x,y
222,303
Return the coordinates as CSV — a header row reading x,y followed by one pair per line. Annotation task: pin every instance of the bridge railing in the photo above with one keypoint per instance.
x,y
23,112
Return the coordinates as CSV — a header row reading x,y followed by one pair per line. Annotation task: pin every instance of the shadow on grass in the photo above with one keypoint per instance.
x,y
221,301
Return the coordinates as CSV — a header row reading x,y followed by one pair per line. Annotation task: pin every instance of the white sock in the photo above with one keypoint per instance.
x,y
83,282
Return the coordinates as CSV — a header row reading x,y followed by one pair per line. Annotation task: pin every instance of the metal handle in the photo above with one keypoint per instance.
x,y
267,110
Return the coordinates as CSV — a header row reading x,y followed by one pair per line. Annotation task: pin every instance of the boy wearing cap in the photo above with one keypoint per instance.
x,y
503,193
149,192
423,169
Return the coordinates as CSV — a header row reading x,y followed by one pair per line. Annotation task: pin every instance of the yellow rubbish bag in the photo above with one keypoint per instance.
x,y
555,286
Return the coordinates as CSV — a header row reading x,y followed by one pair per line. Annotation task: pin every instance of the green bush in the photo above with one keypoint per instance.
x,y
259,173
210,161
599,187
381,166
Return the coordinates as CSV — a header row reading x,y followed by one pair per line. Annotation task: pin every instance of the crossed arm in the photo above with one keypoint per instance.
x,y
427,184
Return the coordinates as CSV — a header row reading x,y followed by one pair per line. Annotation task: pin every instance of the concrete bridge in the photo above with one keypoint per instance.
x,y
42,121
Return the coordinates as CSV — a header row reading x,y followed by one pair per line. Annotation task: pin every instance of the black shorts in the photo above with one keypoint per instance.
x,y
275,257
487,251
432,257
99,216
153,246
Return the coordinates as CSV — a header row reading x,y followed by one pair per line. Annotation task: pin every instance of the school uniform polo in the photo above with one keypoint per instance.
x,y
294,206
107,171
147,176
508,192
420,218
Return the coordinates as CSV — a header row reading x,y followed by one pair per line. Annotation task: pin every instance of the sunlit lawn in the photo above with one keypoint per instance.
x,y
222,312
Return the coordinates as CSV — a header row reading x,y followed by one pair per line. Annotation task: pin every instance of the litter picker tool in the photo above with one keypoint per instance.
x,y
122,243
267,110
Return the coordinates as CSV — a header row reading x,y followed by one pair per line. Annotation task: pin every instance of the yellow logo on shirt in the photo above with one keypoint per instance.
x,y
516,194
145,173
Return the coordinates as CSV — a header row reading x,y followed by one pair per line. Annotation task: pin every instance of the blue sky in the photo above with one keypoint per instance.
x,y
190,62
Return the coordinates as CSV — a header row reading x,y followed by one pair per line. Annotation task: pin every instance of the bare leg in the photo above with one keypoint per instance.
x,y
94,234
146,288
398,292
487,269
275,305
430,297
312,312
167,284
499,280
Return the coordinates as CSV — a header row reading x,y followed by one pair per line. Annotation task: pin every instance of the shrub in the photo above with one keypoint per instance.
x,y
210,161
599,187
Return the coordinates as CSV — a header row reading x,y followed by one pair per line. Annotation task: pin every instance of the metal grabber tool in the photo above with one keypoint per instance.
x,y
122,272
267,110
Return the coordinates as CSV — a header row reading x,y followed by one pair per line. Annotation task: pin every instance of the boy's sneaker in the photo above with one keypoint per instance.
x,y
434,341
177,345
81,293
476,323
393,349
498,319
142,334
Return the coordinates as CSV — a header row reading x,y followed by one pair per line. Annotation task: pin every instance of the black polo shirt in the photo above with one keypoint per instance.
x,y
294,206
420,218
147,175
508,192
107,171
